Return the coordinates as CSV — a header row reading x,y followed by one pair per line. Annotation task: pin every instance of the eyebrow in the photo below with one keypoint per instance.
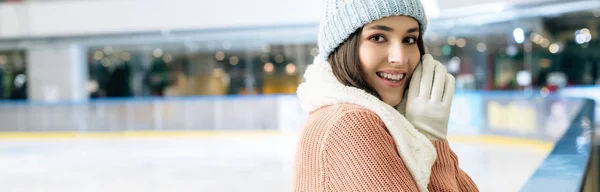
x,y
389,29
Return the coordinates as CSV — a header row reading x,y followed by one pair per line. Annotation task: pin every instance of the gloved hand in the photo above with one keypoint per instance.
x,y
429,96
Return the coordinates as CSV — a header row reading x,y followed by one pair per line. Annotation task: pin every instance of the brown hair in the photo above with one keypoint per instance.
x,y
346,66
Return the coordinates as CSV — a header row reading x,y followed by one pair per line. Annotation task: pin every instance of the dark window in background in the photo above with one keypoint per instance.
x,y
13,76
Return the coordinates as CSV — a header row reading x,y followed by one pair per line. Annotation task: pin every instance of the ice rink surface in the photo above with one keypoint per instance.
x,y
212,163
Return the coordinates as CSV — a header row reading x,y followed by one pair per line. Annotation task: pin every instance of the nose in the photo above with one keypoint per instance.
x,y
397,54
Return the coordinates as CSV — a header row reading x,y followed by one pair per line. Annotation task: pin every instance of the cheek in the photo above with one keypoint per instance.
x,y
369,56
414,61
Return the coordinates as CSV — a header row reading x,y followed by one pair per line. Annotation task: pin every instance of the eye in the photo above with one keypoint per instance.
x,y
410,40
377,38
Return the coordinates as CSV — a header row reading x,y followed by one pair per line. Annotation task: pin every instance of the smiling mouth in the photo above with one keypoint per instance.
x,y
391,77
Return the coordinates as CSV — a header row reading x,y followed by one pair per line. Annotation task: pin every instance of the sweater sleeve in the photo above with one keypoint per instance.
x,y
360,155
446,167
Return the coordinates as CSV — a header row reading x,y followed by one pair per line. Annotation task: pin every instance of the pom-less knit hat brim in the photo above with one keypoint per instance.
x,y
344,17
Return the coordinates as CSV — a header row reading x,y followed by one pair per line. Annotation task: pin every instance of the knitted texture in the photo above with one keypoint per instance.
x,y
321,88
346,147
343,17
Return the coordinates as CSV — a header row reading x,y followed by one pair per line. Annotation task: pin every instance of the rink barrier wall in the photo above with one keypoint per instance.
x,y
572,165
474,113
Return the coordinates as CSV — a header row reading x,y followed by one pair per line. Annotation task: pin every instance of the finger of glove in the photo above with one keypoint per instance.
x,y
448,90
415,81
427,77
439,80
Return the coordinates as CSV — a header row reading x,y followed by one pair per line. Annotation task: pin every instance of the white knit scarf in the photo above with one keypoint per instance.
x,y
321,88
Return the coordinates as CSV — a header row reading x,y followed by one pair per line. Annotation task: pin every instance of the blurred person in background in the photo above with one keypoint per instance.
x,y
158,77
368,128
1,82
19,89
118,84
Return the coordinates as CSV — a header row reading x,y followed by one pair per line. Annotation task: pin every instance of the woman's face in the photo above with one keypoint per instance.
x,y
388,54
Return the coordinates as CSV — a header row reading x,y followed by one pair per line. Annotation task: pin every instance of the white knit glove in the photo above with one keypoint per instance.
x,y
427,103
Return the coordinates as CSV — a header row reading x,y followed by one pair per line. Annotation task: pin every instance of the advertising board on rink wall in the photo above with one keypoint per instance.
x,y
531,118
465,114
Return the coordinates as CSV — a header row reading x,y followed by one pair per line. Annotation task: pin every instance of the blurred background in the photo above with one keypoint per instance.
x,y
183,95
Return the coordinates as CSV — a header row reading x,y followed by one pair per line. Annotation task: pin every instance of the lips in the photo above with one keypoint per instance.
x,y
392,79
390,76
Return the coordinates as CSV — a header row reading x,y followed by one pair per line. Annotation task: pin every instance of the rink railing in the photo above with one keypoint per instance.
x,y
573,163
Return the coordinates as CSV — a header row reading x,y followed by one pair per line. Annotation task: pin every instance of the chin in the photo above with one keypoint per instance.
x,y
393,102
393,97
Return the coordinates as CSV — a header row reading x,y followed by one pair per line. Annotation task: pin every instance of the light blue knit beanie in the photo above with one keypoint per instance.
x,y
343,17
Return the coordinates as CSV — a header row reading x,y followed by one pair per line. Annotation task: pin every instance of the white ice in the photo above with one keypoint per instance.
x,y
254,163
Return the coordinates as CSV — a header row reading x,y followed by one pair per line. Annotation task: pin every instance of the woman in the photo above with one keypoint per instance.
x,y
369,128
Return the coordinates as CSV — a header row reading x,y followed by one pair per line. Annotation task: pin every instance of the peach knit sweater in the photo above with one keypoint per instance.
x,y
345,147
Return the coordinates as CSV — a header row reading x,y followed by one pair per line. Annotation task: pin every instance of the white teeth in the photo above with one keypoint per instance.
x,y
395,77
